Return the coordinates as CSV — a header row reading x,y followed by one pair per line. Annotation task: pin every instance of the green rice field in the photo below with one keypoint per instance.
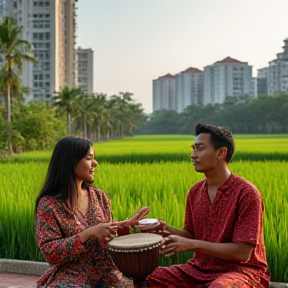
x,y
153,171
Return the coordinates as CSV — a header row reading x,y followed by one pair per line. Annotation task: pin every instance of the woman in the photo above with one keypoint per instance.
x,y
73,221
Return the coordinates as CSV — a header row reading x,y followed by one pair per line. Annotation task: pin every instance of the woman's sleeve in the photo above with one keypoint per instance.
x,y
54,248
124,228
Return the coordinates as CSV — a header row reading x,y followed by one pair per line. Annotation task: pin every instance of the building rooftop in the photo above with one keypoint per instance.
x,y
192,70
229,60
167,76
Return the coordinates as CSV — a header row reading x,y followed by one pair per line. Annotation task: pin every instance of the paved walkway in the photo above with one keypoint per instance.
x,y
17,280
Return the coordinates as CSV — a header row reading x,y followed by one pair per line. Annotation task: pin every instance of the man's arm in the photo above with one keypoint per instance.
x,y
179,232
163,229
228,251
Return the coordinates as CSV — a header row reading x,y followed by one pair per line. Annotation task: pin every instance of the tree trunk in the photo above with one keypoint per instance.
x,y
85,126
68,124
98,135
9,120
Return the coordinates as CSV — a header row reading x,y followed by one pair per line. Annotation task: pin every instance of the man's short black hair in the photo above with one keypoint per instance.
x,y
220,137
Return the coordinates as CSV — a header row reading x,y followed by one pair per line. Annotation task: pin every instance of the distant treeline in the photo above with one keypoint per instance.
x,y
266,114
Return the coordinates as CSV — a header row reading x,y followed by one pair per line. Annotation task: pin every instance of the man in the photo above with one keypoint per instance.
x,y
223,224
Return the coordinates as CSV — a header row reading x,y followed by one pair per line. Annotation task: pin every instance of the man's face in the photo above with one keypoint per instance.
x,y
204,157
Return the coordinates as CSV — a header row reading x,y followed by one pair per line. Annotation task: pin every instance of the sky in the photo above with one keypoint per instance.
x,y
136,41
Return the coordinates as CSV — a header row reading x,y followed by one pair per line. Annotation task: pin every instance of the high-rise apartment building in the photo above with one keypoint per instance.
x,y
164,93
189,88
2,10
262,81
49,25
254,87
228,77
85,69
278,72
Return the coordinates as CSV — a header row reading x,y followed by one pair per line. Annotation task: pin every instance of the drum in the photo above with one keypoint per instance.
x,y
136,255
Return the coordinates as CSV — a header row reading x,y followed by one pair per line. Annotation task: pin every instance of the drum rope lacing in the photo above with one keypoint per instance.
x,y
136,250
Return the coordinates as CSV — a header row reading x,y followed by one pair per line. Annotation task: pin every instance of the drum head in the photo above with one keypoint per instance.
x,y
135,241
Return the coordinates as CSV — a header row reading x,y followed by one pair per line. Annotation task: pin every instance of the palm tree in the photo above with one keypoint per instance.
x,y
116,116
125,115
100,115
14,51
83,112
65,100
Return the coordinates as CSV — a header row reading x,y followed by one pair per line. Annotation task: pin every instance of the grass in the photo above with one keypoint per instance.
x,y
160,184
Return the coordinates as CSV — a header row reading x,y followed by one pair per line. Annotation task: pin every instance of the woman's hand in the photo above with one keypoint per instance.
x,y
139,215
107,230
104,229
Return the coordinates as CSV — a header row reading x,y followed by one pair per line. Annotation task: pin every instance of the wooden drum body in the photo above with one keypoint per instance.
x,y
136,255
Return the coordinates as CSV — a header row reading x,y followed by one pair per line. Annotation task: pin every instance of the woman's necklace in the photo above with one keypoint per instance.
x,y
80,218
82,215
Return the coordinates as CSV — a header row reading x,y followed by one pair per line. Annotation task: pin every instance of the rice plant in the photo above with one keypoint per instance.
x,y
160,184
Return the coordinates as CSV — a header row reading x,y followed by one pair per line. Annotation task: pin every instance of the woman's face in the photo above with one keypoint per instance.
x,y
84,169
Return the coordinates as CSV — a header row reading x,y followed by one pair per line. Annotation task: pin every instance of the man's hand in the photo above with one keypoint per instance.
x,y
161,228
175,244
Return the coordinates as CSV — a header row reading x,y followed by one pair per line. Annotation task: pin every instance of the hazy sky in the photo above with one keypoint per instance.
x,y
136,41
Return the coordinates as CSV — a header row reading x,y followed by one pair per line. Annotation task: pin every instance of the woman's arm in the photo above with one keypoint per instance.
x,y
54,248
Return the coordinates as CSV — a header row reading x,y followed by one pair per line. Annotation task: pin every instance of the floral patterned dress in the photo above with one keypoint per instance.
x,y
76,264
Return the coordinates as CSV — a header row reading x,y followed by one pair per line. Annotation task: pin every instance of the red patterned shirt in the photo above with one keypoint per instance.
x,y
75,264
236,215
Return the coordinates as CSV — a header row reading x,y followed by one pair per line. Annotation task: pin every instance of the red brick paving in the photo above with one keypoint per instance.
x,y
17,280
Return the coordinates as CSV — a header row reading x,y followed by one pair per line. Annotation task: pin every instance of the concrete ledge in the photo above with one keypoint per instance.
x,y
278,285
31,268
34,268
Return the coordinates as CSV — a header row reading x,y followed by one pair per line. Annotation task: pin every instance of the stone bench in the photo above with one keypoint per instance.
x,y
31,268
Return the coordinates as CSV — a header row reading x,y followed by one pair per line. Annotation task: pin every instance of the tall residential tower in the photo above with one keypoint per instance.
x,y
50,27
164,93
228,77
189,88
278,72
85,69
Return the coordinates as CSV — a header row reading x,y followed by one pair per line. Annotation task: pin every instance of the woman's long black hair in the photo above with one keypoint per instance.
x,y
60,181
